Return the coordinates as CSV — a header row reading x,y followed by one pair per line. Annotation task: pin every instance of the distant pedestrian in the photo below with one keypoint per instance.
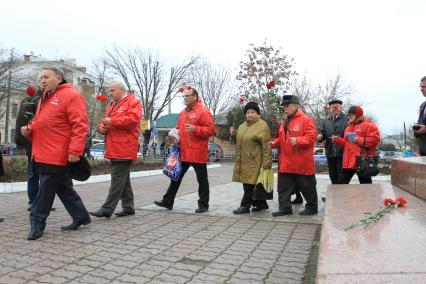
x,y
420,127
87,147
120,126
359,132
57,133
251,155
333,125
296,140
195,126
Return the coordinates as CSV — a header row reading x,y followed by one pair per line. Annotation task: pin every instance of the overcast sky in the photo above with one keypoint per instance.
x,y
379,46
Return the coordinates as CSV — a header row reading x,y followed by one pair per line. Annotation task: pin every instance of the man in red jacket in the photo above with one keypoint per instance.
x,y
121,129
58,133
295,140
195,126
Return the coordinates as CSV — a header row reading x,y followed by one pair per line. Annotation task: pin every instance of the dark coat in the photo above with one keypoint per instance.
x,y
333,127
422,137
27,110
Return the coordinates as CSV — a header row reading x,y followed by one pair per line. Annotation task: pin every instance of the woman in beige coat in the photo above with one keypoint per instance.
x,y
250,156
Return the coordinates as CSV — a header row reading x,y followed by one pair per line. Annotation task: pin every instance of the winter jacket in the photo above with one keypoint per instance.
x,y
26,112
330,127
251,152
122,138
364,129
297,159
194,145
422,137
59,127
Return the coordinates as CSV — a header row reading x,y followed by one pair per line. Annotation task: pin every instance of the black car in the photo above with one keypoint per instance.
x,y
215,152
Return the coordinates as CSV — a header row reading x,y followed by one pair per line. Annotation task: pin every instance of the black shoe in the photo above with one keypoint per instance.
x,y
282,213
34,235
201,210
308,212
163,204
75,225
241,210
260,208
125,212
99,213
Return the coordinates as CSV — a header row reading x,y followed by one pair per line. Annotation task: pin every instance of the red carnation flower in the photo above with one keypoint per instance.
x,y
400,201
188,87
242,100
101,97
270,85
30,91
325,107
181,89
388,201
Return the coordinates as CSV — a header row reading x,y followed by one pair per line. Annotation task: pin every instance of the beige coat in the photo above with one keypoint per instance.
x,y
251,153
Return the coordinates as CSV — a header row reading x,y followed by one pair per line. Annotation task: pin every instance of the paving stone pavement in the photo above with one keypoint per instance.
x,y
160,246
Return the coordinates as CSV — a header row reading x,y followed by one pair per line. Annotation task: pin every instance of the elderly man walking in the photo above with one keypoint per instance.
x,y
120,126
195,126
58,133
296,140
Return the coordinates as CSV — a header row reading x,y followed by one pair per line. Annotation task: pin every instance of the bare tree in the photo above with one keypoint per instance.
x,y
153,80
215,87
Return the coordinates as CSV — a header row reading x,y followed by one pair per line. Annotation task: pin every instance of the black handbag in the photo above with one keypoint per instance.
x,y
366,167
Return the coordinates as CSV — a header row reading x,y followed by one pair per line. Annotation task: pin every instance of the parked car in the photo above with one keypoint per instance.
x,y
9,149
97,151
215,152
319,156
389,155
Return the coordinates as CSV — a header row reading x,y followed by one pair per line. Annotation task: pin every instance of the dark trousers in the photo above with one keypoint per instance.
x,y
334,168
62,185
33,182
203,185
247,200
306,185
120,189
347,175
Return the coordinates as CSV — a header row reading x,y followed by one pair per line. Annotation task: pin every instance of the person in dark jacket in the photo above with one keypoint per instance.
x,y
334,124
27,110
420,127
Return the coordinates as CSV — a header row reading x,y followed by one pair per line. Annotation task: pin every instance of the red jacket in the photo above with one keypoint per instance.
x,y
122,138
59,127
363,129
297,159
194,146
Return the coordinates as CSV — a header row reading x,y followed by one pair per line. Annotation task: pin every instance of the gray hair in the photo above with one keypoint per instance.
x,y
118,84
58,71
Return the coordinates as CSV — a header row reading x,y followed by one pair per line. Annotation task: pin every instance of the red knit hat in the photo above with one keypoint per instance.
x,y
357,110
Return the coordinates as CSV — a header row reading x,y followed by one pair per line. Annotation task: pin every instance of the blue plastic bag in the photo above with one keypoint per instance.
x,y
173,167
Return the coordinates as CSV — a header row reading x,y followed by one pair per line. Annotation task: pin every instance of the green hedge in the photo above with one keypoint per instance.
x,y
16,168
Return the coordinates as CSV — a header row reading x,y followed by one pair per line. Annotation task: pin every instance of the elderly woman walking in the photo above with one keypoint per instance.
x,y
360,132
251,155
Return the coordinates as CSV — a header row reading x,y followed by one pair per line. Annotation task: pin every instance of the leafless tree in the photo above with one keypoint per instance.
x,y
215,87
153,79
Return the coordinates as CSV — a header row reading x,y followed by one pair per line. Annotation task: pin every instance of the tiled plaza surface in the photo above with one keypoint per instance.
x,y
158,245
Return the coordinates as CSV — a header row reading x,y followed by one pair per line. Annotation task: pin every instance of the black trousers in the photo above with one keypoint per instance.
x,y
60,184
247,200
307,186
347,175
203,185
334,168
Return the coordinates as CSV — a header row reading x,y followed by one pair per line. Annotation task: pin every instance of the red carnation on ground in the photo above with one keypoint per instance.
x,y
181,89
101,97
400,201
388,201
30,91
325,107
242,100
